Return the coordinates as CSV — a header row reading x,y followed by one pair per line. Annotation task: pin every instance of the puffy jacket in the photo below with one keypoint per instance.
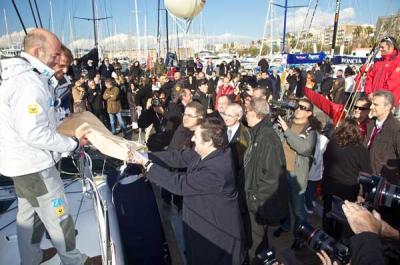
x,y
385,75
28,138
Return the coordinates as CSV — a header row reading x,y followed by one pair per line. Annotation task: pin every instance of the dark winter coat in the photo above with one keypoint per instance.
x,y
266,184
95,100
211,217
105,72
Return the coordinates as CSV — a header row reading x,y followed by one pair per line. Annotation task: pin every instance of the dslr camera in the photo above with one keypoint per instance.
x,y
155,101
318,240
378,194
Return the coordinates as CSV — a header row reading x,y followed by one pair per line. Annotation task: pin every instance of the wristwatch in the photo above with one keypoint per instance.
x,y
147,164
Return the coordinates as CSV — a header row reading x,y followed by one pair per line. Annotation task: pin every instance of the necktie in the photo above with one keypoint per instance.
x,y
229,134
374,133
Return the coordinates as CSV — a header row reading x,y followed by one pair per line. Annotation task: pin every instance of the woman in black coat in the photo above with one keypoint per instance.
x,y
345,157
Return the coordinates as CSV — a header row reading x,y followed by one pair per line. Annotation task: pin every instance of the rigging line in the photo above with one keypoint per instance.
x,y
312,18
38,13
107,24
33,13
19,16
63,19
302,27
391,20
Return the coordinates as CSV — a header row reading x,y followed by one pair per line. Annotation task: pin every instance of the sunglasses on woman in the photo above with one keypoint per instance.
x,y
360,108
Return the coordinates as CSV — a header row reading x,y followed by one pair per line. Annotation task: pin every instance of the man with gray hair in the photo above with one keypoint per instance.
x,y
266,184
239,140
383,137
30,147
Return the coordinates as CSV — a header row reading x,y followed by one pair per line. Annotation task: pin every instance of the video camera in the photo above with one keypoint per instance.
x,y
318,240
285,109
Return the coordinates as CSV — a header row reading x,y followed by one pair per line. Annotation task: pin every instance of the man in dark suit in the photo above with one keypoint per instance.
x,y
211,218
239,140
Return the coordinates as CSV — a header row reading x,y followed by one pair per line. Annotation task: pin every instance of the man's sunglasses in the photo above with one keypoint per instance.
x,y
360,108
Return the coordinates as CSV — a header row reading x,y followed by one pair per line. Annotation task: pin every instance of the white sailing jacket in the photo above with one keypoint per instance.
x,y
28,139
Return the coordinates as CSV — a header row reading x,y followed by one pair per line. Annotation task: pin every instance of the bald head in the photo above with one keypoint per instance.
x,y
43,45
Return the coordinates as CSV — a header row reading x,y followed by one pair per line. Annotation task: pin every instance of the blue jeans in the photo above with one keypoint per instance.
x,y
296,201
120,120
311,193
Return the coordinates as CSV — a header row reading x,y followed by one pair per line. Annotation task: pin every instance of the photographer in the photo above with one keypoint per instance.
x,y
154,113
299,139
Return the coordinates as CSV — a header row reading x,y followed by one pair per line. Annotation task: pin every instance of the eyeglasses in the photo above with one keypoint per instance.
x,y
229,115
301,107
190,115
360,108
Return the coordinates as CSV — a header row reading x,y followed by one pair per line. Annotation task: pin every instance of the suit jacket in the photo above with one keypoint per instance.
x,y
210,201
239,143
385,150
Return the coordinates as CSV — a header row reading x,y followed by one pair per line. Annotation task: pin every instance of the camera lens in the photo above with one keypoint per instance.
x,y
390,196
319,240
380,193
155,102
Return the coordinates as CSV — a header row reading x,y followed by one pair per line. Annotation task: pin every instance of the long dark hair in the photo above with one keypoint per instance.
x,y
347,133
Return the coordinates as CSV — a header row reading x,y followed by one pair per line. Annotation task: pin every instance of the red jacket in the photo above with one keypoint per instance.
x,y
333,110
226,91
385,75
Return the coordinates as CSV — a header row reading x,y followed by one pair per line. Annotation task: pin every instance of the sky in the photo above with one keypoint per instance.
x,y
244,18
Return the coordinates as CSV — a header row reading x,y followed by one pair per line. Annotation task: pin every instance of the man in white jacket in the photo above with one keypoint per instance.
x,y
30,148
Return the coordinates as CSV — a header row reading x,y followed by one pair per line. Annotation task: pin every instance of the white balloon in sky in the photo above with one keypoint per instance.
x,y
186,9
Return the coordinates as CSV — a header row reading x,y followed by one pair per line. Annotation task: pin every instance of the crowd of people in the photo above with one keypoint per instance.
x,y
229,159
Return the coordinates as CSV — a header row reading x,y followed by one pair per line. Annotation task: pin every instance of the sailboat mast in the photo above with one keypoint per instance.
x,y
137,32
6,24
146,48
158,29
335,26
96,43
51,16
284,27
166,26
71,34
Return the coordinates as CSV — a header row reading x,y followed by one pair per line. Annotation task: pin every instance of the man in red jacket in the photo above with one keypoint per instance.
x,y
385,74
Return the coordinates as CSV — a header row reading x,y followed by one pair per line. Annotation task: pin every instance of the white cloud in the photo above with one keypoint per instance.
x,y
322,19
